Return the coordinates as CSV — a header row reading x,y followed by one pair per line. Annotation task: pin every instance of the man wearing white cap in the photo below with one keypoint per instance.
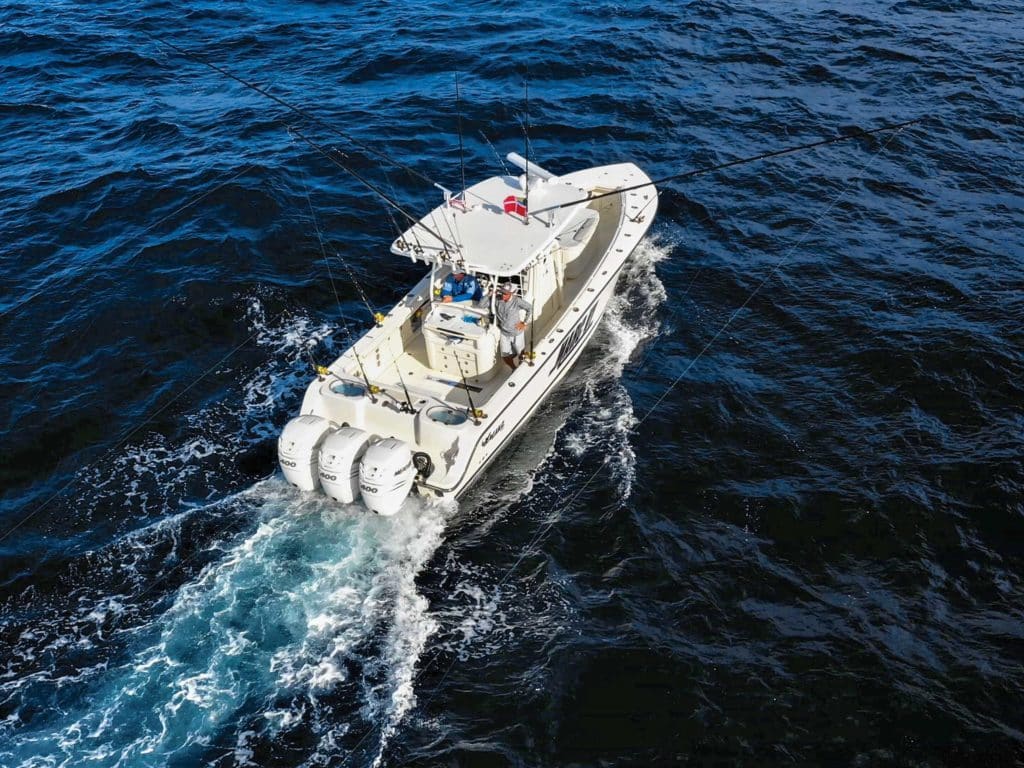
x,y
511,325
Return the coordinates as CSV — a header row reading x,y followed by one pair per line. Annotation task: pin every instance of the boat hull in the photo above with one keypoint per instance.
x,y
550,368
452,434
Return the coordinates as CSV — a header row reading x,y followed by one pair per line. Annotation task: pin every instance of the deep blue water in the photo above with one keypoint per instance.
x,y
774,517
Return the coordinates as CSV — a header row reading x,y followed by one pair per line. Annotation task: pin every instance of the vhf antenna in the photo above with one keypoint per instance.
x,y
526,141
462,155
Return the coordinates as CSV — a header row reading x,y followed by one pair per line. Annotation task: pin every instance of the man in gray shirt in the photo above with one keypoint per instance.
x,y
506,311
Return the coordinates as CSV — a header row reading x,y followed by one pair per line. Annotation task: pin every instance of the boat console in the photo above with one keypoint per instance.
x,y
461,341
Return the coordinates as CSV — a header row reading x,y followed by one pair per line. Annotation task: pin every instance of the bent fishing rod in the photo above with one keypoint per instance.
x,y
732,163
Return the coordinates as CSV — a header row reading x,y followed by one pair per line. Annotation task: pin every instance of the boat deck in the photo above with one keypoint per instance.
x,y
427,386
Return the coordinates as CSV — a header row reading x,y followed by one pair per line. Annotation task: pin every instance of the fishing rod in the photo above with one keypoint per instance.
x,y
322,370
526,142
473,412
378,319
533,355
369,185
297,110
501,162
407,406
402,243
741,161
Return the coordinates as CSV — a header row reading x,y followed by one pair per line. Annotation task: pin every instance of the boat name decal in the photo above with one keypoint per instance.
x,y
574,338
493,433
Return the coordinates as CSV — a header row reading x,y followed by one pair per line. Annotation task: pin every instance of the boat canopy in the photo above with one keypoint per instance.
x,y
480,236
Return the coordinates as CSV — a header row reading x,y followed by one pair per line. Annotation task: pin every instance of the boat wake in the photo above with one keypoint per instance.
x,y
231,629
591,418
630,321
296,621
221,628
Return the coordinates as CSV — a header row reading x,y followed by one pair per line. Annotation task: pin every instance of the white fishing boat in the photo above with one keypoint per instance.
x,y
423,402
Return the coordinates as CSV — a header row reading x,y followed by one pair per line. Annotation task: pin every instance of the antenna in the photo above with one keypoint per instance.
x,y
462,156
526,141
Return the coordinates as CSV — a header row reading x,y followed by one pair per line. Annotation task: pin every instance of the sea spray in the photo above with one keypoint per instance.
x,y
606,411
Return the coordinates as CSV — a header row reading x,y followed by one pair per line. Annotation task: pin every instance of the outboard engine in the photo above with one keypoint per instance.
x,y
386,474
297,450
339,459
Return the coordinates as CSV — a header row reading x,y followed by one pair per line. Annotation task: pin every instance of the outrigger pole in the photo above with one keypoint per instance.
x,y
741,161
369,185
297,110
312,118
462,156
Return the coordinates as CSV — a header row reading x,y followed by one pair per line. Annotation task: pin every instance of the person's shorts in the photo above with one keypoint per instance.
x,y
510,346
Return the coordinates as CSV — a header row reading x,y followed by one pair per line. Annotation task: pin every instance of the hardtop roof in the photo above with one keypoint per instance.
x,y
481,237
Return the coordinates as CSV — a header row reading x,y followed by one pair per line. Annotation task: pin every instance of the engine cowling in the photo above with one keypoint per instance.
x,y
338,463
386,474
297,450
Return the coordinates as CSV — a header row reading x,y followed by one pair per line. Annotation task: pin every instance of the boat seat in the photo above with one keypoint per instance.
x,y
573,241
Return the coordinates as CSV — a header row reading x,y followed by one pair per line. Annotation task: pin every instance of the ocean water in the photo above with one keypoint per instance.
x,y
774,516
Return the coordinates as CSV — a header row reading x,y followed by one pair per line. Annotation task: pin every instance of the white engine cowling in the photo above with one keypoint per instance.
x,y
297,449
339,459
386,475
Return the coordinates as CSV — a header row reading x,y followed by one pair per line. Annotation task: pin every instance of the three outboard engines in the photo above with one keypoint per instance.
x,y
347,463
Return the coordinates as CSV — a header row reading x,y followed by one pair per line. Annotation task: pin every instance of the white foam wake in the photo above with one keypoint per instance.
x,y
484,610
315,598
315,604
606,412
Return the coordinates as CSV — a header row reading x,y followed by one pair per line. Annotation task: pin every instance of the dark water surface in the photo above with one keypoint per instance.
x,y
775,516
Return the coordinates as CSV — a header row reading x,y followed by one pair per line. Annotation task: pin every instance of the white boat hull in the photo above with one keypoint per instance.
x,y
456,421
